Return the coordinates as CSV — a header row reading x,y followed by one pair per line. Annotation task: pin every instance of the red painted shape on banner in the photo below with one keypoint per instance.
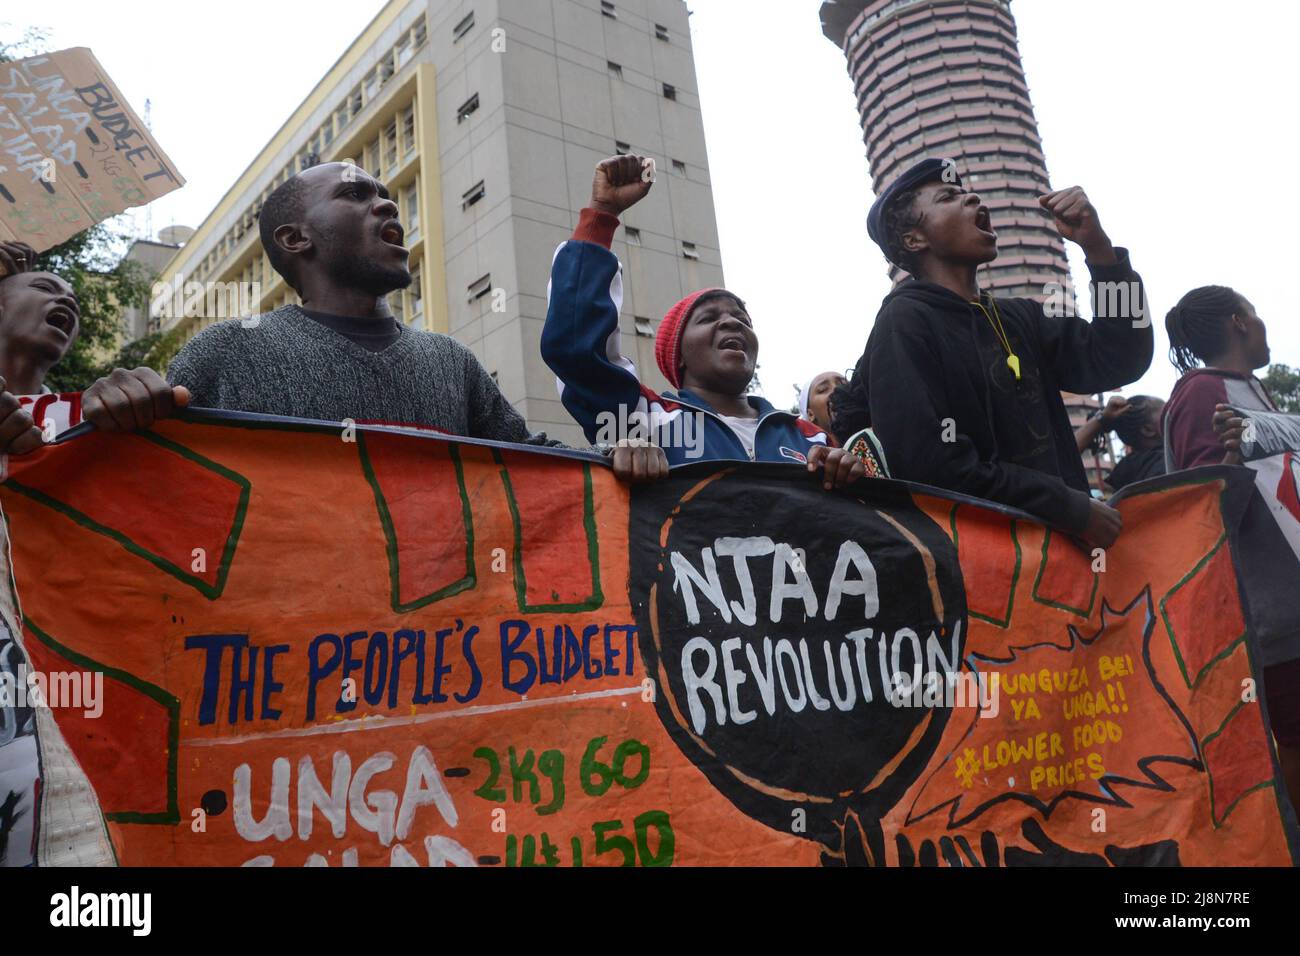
x,y
1066,579
126,779
1238,758
1205,614
990,561
554,545
416,484
124,501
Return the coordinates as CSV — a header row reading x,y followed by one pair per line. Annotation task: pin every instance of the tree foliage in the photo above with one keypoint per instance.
x,y
1283,383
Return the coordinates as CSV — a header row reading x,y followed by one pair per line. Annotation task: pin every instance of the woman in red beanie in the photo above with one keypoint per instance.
x,y
705,347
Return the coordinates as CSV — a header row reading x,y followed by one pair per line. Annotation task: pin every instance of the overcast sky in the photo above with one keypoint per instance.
x,y
1174,115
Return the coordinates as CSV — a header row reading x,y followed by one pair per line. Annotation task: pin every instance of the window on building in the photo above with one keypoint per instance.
x,y
395,303
390,146
327,132
370,85
355,100
644,327
473,195
462,28
386,69
615,69
661,31
480,287
608,10
404,50
408,131
419,34
670,91
633,236
371,157
417,296
468,107
679,167
689,250
411,212
622,148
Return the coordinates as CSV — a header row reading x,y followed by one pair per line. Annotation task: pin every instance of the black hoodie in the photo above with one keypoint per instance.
x,y
934,358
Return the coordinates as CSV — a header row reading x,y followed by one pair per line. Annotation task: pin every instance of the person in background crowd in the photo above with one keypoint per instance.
x,y
332,232
1137,421
849,415
815,405
964,389
706,348
1141,428
39,320
1217,327
814,398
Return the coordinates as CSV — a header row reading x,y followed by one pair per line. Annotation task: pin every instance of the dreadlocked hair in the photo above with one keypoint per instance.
x,y
900,217
1198,325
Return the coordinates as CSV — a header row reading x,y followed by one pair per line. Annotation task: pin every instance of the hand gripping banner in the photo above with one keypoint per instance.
x,y
387,648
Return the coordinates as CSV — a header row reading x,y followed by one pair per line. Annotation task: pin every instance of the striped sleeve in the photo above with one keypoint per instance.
x,y
580,340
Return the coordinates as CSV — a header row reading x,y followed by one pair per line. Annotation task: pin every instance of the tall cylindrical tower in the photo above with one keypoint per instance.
x,y
943,78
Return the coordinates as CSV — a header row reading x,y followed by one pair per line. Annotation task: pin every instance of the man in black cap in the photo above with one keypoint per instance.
x,y
964,389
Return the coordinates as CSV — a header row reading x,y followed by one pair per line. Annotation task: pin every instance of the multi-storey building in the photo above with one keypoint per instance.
x,y
486,118
151,256
943,78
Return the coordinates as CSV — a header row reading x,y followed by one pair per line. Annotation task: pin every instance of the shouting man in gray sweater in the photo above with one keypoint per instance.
x,y
332,232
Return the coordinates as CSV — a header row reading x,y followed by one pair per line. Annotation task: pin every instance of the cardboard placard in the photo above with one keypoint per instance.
x,y
72,151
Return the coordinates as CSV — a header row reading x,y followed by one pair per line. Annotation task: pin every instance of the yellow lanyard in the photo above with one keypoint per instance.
x,y
995,320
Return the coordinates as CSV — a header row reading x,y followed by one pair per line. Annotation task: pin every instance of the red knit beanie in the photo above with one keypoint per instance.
x,y
668,340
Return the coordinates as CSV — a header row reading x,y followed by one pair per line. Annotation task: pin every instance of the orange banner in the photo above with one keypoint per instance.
x,y
400,650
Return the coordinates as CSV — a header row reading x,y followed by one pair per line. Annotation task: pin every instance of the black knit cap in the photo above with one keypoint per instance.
x,y
926,171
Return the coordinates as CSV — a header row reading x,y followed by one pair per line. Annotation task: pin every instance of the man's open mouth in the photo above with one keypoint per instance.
x,y
393,234
732,343
62,319
984,221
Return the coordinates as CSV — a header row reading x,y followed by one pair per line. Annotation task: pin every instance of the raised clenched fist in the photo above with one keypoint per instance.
x,y
621,182
1076,220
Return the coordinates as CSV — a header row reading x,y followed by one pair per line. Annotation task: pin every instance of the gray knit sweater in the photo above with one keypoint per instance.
x,y
287,364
